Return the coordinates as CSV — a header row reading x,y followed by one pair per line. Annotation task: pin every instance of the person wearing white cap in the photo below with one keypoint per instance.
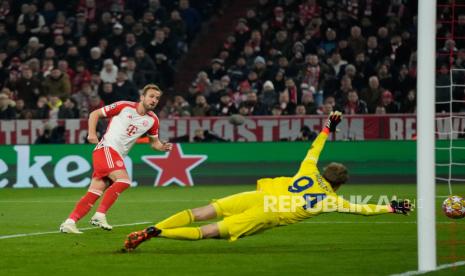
x,y
32,49
109,71
269,97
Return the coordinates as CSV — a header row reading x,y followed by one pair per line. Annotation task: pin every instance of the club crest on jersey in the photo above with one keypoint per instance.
x,y
119,163
145,123
110,107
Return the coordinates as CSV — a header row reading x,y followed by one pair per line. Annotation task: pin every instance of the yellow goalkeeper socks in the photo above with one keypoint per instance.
x,y
183,233
177,220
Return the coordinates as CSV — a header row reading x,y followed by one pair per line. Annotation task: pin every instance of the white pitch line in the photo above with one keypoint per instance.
x,y
441,267
56,232
368,222
148,222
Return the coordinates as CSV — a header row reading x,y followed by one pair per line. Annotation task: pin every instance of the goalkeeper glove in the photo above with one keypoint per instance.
x,y
333,120
401,206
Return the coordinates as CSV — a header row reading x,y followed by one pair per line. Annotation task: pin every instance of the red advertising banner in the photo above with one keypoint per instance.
x,y
352,127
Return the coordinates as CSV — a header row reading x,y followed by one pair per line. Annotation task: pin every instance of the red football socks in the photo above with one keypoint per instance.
x,y
111,195
83,206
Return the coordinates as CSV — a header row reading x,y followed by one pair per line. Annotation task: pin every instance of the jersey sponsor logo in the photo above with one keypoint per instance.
x,y
131,130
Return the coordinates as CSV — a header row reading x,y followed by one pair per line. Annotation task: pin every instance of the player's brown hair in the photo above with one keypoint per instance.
x,y
150,86
336,174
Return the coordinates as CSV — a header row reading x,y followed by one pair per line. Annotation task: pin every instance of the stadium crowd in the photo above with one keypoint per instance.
x,y
312,57
64,59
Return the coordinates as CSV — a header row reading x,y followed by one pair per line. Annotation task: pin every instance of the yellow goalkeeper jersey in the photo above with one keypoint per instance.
x,y
307,193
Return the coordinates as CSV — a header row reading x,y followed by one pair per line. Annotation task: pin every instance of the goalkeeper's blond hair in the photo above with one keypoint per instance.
x,y
336,174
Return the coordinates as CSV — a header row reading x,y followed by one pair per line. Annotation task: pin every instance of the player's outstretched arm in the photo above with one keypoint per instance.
x,y
396,207
317,146
157,144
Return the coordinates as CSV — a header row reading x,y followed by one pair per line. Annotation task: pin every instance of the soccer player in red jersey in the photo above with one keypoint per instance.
x,y
129,121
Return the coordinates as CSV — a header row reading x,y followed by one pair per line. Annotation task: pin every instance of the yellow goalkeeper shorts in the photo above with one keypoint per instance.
x,y
244,215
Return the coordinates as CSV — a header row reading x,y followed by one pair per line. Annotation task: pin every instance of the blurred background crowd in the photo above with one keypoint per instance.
x,y
63,59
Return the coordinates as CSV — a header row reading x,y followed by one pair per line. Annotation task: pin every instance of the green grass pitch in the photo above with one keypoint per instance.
x,y
331,244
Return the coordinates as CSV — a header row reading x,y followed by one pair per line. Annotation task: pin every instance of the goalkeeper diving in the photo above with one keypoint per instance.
x,y
277,201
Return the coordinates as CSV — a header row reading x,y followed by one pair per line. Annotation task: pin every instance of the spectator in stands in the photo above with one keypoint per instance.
x,y
28,88
300,110
64,67
129,48
160,46
259,67
42,109
54,103
83,98
372,94
243,109
20,110
388,102
356,40
180,107
255,107
146,65
95,103
226,106
329,105
314,73
81,76
216,71
192,18
385,77
287,107
239,71
403,83
292,91
409,105
308,101
57,84
125,89
7,110
201,107
30,18
109,71
95,63
337,63
354,105
68,110
269,97
59,45
33,49
107,93
135,75
329,43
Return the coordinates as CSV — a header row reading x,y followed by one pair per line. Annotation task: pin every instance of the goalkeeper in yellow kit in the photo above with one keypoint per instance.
x,y
276,202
